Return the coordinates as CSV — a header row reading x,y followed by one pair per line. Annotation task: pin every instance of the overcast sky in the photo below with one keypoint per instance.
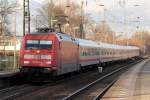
x,y
116,13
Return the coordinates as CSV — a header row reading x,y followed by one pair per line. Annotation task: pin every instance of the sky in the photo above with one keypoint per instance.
x,y
122,17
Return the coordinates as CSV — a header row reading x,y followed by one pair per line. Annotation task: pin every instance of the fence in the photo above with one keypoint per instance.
x,y
9,49
9,63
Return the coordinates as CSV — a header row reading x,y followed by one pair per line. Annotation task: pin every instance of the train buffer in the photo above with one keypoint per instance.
x,y
132,85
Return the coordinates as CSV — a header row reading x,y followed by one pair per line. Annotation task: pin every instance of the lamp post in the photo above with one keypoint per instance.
x,y
15,40
68,4
104,20
82,21
50,13
68,17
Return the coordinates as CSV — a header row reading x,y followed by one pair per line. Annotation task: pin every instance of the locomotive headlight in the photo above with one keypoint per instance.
x,y
48,57
49,62
27,56
26,62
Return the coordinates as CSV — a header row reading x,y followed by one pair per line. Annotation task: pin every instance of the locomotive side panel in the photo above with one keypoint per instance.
x,y
68,57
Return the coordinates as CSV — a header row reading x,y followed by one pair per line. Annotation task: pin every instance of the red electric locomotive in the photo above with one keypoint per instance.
x,y
51,52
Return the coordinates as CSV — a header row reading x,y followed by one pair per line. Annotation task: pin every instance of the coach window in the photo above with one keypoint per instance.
x,y
82,53
97,52
103,52
60,37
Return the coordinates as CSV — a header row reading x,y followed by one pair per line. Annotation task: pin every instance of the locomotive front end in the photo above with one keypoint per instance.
x,y
38,54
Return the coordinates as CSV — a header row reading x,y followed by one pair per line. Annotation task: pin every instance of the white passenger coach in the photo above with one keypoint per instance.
x,y
91,52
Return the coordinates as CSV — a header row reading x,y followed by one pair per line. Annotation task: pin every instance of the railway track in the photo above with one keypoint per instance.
x,y
11,88
30,92
96,89
70,85
13,92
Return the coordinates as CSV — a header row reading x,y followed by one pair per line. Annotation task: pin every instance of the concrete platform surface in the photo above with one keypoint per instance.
x,y
132,85
4,74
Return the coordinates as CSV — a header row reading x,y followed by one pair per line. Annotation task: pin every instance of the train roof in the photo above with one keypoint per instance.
x,y
60,36
65,37
88,43
91,43
117,46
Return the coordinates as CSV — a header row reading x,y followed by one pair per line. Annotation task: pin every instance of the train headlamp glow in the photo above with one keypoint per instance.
x,y
27,56
26,62
46,57
49,62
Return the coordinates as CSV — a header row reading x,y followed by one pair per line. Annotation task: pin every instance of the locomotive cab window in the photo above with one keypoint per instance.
x,y
38,44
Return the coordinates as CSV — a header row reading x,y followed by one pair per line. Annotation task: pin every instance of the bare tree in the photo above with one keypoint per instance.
x,y
50,13
102,32
68,16
6,8
141,39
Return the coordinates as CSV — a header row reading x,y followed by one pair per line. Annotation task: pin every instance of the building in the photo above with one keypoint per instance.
x,y
9,44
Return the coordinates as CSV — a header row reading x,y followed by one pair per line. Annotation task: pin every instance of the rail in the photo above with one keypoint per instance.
x,y
86,87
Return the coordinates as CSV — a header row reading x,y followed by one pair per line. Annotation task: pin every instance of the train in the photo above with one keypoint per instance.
x,y
58,53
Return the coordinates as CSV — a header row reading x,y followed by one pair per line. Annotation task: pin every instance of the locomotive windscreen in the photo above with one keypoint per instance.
x,y
38,44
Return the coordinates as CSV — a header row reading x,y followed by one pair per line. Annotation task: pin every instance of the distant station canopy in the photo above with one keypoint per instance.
x,y
45,30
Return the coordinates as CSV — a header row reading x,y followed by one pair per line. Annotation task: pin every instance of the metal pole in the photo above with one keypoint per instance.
x,y
125,23
104,23
28,16
1,18
50,13
36,21
23,17
1,28
82,19
2,31
15,43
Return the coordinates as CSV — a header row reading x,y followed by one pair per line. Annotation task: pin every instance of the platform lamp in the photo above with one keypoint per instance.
x,y
68,4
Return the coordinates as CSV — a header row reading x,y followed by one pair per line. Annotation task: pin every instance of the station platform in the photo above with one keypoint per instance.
x,y
5,74
132,85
